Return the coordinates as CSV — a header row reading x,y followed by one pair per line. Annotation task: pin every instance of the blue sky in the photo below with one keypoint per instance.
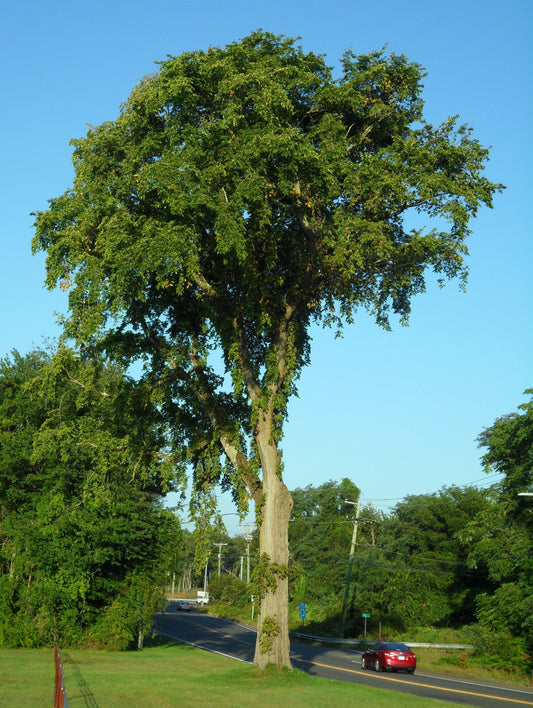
x,y
396,412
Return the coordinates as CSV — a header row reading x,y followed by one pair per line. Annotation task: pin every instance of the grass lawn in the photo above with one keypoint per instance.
x,y
167,674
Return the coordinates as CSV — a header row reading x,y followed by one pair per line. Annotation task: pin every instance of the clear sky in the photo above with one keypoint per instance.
x,y
396,412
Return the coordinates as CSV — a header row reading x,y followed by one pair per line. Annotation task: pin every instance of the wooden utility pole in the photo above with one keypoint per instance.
x,y
350,562
219,554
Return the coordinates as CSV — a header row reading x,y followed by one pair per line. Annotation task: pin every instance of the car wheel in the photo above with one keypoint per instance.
x,y
411,671
363,662
377,667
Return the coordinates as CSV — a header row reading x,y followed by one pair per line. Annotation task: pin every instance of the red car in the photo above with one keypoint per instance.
x,y
389,656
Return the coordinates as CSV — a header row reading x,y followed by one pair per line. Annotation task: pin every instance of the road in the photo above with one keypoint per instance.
x,y
237,641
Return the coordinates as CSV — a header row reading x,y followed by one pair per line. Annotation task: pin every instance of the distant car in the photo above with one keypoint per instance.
x,y
389,656
185,606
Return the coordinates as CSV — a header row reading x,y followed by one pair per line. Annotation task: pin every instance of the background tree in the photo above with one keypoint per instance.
x,y
320,534
243,194
417,573
502,535
409,567
84,540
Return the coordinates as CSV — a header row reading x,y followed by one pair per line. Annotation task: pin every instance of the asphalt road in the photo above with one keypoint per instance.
x,y
237,641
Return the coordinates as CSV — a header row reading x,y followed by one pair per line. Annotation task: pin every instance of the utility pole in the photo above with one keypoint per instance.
x,y
350,563
219,554
248,538
248,541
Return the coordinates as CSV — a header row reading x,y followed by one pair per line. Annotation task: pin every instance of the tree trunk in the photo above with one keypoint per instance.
x,y
272,646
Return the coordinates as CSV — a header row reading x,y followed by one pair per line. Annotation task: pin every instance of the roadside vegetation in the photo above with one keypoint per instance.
x,y
85,543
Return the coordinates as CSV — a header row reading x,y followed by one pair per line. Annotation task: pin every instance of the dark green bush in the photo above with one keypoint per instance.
x,y
497,650
228,589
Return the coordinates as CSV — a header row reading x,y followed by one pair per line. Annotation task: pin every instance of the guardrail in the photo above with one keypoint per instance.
x,y
362,642
60,694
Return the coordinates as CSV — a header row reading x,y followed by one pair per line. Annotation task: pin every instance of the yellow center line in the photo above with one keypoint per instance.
x,y
422,685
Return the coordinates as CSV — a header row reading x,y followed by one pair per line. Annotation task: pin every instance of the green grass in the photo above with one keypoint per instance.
x,y
167,674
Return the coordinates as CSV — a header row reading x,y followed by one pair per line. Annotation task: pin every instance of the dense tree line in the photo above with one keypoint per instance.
x,y
460,557
85,543
415,573
501,537
409,566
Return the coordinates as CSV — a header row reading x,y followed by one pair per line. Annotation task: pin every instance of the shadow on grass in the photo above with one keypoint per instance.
x,y
82,684
155,641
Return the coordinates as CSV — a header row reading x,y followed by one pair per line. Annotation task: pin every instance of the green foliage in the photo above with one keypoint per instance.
x,y
241,194
509,451
319,537
409,569
415,572
128,619
80,511
498,650
265,576
434,635
323,616
502,536
268,631
228,590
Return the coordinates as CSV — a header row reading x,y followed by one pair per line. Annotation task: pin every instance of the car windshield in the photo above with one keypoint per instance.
x,y
395,646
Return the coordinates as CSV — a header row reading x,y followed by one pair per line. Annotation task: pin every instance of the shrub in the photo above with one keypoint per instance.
x,y
497,650
228,589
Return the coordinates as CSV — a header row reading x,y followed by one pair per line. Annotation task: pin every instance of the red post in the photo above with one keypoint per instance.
x,y
59,693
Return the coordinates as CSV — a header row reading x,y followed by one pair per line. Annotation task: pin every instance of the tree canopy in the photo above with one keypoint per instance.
x,y
422,572
242,194
502,537
319,536
509,451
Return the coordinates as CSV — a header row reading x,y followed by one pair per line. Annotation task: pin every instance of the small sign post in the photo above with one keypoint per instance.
x,y
366,616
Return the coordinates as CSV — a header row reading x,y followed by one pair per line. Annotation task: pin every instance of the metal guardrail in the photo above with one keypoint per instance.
x,y
60,694
359,642
424,645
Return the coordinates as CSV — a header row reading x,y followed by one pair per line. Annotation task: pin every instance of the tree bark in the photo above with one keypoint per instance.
x,y
272,646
